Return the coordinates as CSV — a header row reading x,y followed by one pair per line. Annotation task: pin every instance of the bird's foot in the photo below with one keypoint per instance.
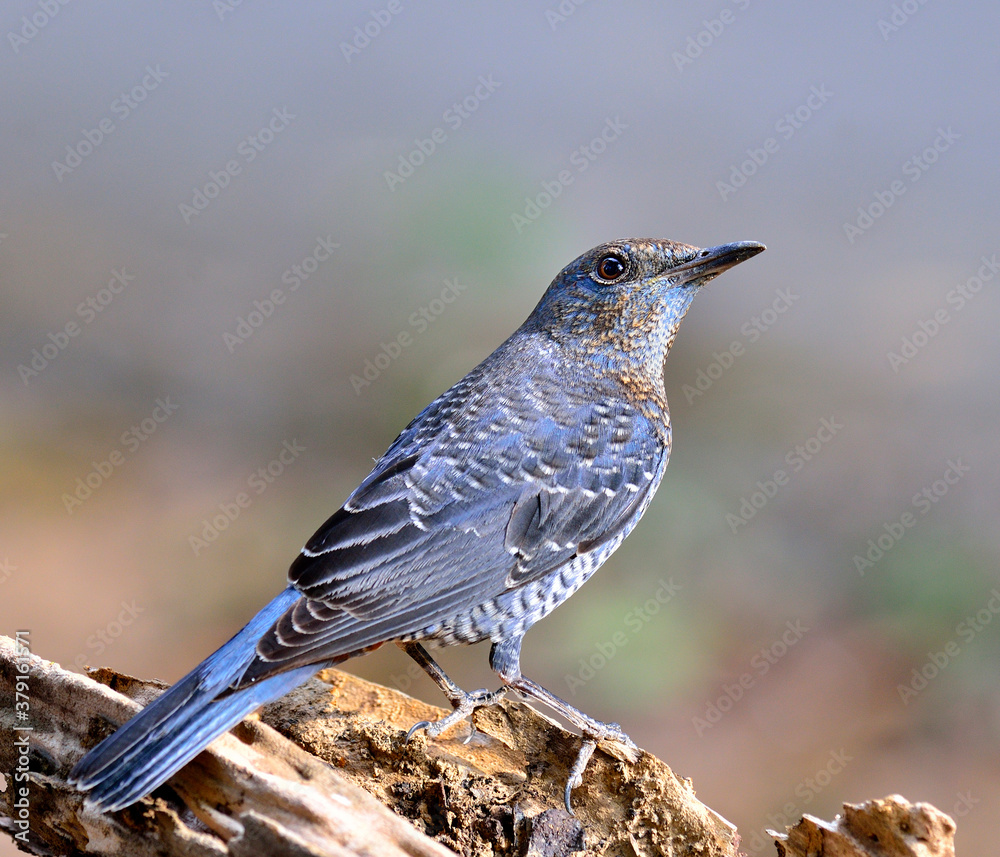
x,y
464,704
595,731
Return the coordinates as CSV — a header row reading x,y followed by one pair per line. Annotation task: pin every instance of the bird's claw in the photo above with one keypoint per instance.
x,y
416,727
603,732
464,706
576,772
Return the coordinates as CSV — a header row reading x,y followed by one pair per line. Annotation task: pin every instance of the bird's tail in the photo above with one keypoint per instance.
x,y
178,725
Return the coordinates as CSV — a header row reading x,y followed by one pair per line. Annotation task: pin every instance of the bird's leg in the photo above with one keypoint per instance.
x,y
463,703
505,660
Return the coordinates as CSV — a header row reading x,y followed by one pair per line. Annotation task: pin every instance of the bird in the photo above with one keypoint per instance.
x,y
491,508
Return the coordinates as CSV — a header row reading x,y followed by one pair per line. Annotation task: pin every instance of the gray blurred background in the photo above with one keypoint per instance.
x,y
166,166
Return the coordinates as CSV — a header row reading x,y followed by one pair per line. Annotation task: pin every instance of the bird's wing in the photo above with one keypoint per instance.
x,y
468,502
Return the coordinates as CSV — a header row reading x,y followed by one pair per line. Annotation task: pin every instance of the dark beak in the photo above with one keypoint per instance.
x,y
712,261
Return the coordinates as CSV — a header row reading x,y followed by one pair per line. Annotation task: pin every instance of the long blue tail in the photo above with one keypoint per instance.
x,y
178,725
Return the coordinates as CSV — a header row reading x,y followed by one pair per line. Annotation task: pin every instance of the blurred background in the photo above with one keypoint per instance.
x,y
242,244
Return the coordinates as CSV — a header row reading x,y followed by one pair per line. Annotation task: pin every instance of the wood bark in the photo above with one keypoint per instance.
x,y
889,827
326,770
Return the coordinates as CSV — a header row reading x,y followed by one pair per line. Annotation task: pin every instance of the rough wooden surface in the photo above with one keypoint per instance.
x,y
253,793
346,783
890,827
472,796
326,770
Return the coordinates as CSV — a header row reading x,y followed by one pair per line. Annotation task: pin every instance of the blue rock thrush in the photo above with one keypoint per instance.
x,y
489,510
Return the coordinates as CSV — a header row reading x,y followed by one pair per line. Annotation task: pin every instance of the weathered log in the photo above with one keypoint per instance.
x,y
327,770
889,827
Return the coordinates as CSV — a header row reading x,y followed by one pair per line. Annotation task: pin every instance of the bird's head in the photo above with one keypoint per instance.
x,y
627,298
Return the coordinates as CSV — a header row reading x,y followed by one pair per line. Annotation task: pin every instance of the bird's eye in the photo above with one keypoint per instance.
x,y
611,268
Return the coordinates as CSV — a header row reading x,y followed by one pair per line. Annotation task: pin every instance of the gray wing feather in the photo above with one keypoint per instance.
x,y
467,502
